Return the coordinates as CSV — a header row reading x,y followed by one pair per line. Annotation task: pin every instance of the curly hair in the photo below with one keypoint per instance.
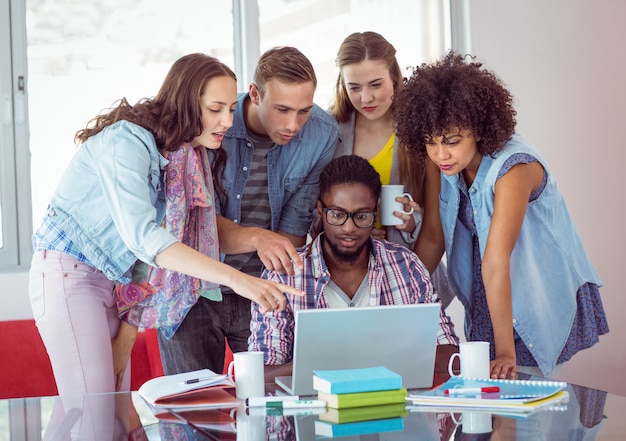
x,y
354,49
452,93
350,169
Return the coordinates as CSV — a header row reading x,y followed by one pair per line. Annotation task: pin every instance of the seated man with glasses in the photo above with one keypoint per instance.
x,y
344,266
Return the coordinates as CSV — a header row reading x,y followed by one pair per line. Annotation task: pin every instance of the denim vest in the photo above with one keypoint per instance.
x,y
110,201
293,170
548,262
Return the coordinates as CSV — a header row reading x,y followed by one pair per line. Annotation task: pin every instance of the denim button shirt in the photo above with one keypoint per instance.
x,y
110,201
293,170
548,262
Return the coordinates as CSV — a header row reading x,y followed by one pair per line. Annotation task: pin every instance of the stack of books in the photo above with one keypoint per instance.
x,y
360,401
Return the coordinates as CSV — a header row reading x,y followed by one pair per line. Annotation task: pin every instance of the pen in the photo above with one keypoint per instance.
x,y
262,401
295,404
198,380
471,390
265,411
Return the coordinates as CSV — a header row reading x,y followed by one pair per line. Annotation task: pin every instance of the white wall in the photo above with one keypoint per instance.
x,y
564,61
14,296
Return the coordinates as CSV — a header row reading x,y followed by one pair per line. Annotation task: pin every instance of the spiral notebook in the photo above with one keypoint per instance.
x,y
514,395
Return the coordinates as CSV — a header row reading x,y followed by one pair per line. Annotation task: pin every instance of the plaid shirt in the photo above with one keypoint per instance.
x,y
395,276
49,236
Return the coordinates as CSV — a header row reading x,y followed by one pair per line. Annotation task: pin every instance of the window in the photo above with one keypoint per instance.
x,y
15,209
84,56
418,30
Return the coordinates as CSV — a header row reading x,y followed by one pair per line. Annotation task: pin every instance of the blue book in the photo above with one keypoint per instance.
x,y
326,429
346,381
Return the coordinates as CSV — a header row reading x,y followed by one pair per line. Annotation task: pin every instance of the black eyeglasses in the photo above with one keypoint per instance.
x,y
336,217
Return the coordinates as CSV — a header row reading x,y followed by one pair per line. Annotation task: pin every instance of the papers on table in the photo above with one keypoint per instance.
x,y
201,388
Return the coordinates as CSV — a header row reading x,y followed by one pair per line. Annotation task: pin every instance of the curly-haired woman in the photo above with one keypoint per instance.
x,y
515,258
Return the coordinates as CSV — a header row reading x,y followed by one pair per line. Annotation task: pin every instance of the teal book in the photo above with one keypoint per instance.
x,y
327,429
342,381
360,399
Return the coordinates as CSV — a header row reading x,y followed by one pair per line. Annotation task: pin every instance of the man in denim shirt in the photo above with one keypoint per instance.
x,y
277,147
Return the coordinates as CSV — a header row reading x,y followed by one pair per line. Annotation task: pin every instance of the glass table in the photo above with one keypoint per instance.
x,y
590,414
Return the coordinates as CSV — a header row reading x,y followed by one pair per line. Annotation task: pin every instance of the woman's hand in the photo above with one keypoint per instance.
x,y
122,345
504,367
269,295
408,220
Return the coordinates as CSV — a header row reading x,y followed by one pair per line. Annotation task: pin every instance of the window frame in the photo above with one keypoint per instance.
x,y
15,182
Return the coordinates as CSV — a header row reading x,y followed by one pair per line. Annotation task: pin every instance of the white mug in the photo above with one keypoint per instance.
x,y
388,204
474,358
474,422
249,427
249,374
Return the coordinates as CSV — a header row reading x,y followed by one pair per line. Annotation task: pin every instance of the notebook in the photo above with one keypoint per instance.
x,y
512,396
402,338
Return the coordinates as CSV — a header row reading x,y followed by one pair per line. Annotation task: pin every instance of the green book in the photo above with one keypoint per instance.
x,y
358,399
364,413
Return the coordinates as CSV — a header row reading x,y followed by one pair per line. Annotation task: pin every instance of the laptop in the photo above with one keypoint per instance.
x,y
402,338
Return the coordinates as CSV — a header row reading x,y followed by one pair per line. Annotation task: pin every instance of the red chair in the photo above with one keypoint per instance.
x,y
25,369
22,351
228,357
145,360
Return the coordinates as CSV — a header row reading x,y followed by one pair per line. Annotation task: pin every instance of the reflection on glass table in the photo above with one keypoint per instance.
x,y
588,415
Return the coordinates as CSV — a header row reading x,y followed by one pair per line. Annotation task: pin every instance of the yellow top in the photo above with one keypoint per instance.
x,y
382,164
382,161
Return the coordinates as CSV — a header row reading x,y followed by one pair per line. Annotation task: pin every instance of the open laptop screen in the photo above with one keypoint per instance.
x,y
402,338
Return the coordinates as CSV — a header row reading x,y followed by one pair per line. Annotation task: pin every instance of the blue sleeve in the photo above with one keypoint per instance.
x,y
124,176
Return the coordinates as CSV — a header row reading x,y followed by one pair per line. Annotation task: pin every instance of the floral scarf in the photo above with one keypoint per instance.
x,y
161,298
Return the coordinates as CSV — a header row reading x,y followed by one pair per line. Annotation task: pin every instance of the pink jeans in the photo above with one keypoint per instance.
x,y
76,314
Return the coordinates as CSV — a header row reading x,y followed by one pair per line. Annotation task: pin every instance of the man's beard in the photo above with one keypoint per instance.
x,y
343,256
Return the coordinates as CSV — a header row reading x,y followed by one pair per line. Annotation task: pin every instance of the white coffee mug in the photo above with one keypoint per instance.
x,y
249,427
249,374
474,422
474,359
388,204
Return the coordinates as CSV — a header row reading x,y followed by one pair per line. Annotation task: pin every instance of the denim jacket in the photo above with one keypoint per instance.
x,y
293,170
110,201
548,262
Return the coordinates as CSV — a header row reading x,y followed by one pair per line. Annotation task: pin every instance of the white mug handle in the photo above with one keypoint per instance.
x,y
450,370
233,415
231,367
454,420
408,195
